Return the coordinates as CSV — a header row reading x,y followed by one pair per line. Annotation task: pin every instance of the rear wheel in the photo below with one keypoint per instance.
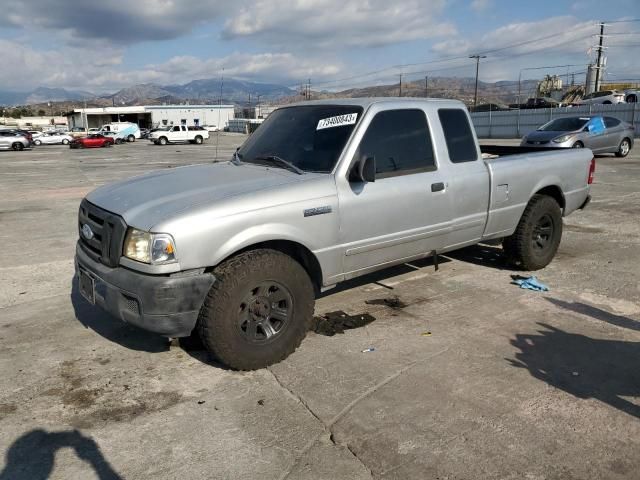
x,y
37,142
258,310
17,146
606,102
623,149
65,141
198,139
131,138
537,237
578,145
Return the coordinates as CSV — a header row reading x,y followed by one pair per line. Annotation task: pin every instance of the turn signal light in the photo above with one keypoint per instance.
x,y
592,171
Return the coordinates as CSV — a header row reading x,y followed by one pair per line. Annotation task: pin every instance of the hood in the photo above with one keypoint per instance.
x,y
148,199
539,136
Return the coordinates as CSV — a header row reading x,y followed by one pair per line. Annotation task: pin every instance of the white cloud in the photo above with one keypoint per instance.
x,y
481,5
338,24
75,68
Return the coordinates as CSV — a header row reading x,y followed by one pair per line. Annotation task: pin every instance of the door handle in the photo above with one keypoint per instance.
x,y
437,187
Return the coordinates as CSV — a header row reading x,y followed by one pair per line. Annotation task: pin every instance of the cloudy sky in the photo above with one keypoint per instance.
x,y
102,46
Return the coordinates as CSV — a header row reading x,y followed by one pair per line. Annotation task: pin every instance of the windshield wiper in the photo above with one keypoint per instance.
x,y
281,161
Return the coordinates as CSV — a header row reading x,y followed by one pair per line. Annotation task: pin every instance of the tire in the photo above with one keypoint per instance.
x,y
163,140
198,140
578,145
37,142
65,141
236,323
537,237
606,102
17,146
624,148
131,138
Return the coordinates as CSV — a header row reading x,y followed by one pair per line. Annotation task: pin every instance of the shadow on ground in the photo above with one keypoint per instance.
x,y
485,255
606,370
598,314
32,456
113,329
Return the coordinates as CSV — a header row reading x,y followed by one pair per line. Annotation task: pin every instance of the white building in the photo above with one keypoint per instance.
x,y
152,116
31,123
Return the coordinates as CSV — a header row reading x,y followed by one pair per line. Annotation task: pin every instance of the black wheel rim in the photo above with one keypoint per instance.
x,y
543,233
265,312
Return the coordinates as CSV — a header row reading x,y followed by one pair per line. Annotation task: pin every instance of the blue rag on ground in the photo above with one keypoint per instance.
x,y
531,283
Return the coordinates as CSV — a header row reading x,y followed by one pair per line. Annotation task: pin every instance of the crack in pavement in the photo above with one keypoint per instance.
x,y
327,427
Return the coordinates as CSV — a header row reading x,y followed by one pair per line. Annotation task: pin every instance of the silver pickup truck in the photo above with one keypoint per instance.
x,y
322,192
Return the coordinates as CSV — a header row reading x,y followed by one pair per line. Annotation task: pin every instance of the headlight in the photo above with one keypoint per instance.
x,y
562,139
145,247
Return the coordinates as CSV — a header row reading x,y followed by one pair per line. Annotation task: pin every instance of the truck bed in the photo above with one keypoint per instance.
x,y
504,150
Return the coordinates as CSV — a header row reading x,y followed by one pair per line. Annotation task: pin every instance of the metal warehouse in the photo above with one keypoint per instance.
x,y
151,116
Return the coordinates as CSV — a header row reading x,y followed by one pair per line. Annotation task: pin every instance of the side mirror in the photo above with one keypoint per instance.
x,y
364,170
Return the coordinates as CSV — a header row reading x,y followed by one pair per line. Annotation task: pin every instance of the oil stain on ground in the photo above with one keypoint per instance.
x,y
337,322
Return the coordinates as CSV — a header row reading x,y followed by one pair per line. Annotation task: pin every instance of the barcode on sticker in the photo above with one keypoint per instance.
x,y
340,120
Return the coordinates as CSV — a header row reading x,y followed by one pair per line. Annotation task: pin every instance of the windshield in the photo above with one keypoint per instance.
x,y
565,124
309,137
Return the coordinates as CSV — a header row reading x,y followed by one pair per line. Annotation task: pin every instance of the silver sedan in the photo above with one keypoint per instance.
x,y
600,134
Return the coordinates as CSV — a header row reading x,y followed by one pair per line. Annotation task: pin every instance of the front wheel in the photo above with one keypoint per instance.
x,y
258,310
65,141
624,148
37,142
537,237
578,145
17,146
163,141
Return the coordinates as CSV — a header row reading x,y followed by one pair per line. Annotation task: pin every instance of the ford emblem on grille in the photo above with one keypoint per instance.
x,y
87,232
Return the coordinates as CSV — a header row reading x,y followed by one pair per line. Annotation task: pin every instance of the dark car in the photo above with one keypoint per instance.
x,y
541,102
92,141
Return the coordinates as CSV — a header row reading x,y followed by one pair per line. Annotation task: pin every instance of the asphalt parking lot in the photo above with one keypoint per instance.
x,y
470,376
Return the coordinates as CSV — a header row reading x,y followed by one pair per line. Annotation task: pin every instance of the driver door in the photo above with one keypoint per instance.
x,y
405,213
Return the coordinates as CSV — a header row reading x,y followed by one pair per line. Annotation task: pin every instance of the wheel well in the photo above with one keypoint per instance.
x,y
554,192
298,252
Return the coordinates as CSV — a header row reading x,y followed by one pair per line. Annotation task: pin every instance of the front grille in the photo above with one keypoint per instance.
x,y
108,230
537,142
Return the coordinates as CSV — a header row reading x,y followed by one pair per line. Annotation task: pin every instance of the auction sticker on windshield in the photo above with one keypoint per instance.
x,y
338,121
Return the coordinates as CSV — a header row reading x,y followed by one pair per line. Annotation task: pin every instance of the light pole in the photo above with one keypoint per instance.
x,y
475,95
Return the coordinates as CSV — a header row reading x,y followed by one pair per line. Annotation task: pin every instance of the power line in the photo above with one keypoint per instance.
x,y
459,57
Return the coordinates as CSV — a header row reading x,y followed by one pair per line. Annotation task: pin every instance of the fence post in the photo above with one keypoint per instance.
x,y
518,123
490,121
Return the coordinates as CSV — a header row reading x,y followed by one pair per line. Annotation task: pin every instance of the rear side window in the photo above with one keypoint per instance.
x,y
458,135
611,122
400,142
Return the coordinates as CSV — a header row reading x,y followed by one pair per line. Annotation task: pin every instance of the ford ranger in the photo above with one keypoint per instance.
x,y
322,192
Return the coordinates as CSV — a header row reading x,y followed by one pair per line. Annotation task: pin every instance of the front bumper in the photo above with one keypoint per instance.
x,y
168,305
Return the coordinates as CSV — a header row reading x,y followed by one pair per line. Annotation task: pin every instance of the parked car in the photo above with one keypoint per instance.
x,y
144,133
490,107
13,140
179,134
92,141
606,97
94,130
53,138
25,133
631,96
600,134
211,128
321,193
35,133
542,102
77,132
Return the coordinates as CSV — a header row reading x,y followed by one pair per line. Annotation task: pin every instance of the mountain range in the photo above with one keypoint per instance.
x,y
241,92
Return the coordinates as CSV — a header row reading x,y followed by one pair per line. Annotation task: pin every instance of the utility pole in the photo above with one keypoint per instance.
x,y
400,84
475,95
599,61
426,86
309,90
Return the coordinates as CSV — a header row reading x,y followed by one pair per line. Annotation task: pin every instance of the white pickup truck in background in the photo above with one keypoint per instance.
x,y
179,134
